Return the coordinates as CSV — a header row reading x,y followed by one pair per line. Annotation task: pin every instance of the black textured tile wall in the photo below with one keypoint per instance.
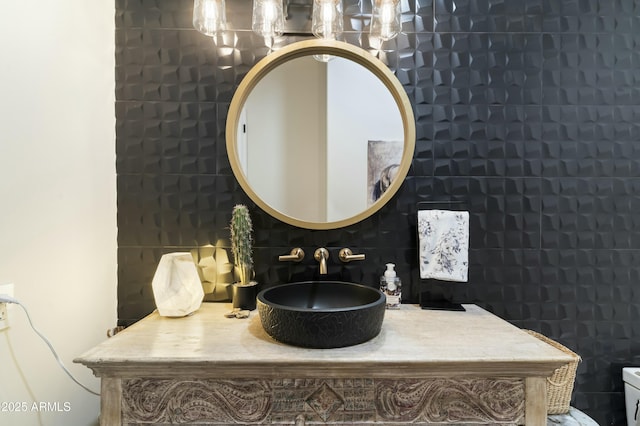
x,y
527,109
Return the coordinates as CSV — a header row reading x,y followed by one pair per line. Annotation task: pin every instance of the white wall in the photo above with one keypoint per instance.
x,y
361,110
57,200
286,125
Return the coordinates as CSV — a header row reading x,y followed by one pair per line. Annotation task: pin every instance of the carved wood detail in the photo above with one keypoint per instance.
x,y
451,400
323,401
182,401
320,401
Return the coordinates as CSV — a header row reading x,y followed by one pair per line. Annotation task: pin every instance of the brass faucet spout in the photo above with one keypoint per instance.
x,y
321,255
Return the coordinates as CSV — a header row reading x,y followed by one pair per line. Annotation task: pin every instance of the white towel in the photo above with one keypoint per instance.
x,y
444,244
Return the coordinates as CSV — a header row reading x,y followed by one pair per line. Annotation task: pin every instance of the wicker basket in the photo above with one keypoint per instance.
x,y
560,383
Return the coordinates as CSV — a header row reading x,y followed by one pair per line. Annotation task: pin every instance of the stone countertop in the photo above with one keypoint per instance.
x,y
413,343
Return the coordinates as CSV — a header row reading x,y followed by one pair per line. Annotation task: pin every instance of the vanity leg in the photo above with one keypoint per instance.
x,y
536,401
110,401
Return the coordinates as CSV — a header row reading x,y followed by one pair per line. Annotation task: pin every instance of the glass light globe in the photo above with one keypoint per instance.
x,y
267,19
327,19
209,16
385,22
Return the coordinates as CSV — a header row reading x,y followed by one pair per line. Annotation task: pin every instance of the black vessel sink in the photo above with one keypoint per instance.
x,y
321,314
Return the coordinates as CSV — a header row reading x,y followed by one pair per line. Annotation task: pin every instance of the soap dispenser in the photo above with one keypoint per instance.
x,y
391,286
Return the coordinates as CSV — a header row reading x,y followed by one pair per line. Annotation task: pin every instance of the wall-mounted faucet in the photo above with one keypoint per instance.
x,y
321,255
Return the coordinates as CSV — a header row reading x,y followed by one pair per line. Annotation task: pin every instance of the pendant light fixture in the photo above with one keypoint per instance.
x,y
267,18
209,16
385,20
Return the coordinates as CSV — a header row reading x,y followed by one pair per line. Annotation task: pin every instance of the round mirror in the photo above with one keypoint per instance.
x,y
320,134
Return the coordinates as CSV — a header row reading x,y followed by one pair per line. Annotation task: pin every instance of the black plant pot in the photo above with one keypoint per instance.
x,y
244,296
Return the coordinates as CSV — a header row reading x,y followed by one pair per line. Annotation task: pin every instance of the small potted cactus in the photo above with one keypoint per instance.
x,y
244,289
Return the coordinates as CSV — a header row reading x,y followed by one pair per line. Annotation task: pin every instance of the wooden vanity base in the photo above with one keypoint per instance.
x,y
206,369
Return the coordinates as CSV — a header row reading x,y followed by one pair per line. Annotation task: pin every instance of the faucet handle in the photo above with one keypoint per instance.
x,y
346,255
296,255
321,253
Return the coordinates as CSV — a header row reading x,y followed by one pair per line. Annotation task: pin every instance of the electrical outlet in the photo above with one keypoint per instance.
x,y
3,316
5,289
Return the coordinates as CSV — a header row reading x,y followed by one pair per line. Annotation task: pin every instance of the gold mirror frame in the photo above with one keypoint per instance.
x,y
321,47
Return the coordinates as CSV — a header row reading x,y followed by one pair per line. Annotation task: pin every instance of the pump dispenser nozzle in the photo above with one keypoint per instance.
x,y
390,272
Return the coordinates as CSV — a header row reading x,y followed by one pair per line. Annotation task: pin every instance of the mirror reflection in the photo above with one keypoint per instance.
x,y
320,141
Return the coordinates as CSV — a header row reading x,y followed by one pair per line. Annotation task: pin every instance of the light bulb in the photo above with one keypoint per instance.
x,y
267,19
209,16
326,11
385,22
